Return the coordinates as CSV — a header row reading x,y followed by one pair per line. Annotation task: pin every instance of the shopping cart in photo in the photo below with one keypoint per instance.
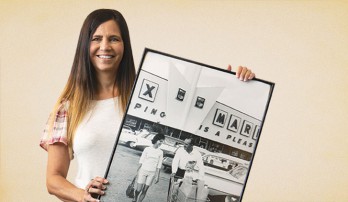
x,y
180,192
173,188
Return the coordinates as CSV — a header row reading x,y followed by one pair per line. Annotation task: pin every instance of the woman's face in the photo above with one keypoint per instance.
x,y
158,143
106,48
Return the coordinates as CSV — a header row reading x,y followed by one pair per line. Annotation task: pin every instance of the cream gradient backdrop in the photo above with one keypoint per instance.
x,y
302,46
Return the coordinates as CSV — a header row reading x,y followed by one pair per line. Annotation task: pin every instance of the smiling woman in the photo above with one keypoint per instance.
x,y
89,111
106,50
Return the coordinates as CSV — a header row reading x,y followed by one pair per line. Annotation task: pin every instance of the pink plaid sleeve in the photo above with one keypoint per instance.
x,y
59,131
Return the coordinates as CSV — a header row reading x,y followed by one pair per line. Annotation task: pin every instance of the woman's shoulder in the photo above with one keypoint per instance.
x,y
64,103
63,106
56,126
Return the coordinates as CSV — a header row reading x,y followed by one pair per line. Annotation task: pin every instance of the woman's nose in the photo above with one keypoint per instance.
x,y
105,45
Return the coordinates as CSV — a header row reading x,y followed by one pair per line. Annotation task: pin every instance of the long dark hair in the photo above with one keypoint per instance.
x,y
82,66
81,87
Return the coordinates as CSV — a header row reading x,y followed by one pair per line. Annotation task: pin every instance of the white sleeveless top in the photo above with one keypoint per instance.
x,y
94,140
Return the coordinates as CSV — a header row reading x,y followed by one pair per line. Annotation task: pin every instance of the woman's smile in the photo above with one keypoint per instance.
x,y
106,48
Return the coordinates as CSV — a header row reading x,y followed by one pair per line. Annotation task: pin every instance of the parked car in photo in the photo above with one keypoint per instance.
x,y
129,137
239,172
226,166
127,129
141,142
224,174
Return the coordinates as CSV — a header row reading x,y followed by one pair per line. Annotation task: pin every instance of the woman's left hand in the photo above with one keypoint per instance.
x,y
95,187
156,180
243,73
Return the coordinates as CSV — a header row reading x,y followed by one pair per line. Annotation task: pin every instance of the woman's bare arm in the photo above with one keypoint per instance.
x,y
57,170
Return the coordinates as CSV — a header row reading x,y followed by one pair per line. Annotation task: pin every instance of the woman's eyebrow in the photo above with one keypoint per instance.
x,y
108,36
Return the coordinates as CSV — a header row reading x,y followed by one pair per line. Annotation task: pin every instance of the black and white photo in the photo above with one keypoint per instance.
x,y
185,135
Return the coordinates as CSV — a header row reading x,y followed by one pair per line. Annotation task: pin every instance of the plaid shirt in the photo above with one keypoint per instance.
x,y
59,131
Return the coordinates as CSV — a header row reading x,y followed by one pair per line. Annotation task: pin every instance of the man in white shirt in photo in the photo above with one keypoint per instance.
x,y
186,159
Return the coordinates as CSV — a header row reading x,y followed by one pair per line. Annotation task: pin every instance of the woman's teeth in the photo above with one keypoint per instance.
x,y
105,56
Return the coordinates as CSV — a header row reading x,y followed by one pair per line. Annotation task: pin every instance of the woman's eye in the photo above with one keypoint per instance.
x,y
114,39
96,39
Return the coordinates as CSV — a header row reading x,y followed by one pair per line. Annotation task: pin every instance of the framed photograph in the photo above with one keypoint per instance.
x,y
210,123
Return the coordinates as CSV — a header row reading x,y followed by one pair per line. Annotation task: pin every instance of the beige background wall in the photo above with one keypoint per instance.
x,y
302,46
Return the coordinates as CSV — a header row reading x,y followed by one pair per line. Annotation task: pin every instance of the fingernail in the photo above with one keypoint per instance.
x,y
102,192
104,187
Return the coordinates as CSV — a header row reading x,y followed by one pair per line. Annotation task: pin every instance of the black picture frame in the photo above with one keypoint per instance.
x,y
160,109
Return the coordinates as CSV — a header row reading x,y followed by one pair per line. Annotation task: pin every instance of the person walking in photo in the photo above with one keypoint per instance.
x,y
149,167
186,158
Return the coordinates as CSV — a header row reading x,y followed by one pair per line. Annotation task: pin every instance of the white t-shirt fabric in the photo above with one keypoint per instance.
x,y
94,140
182,157
151,159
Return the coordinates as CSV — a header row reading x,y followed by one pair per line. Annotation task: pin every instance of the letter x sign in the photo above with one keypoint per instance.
x,y
148,90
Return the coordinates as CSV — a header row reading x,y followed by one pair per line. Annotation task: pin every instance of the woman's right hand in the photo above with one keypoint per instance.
x,y
95,187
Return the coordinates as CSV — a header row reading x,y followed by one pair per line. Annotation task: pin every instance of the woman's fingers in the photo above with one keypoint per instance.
x,y
243,71
101,180
98,184
95,187
94,190
229,68
251,76
247,75
244,74
239,71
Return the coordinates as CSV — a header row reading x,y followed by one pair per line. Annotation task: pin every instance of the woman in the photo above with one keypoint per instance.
x,y
149,167
88,113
